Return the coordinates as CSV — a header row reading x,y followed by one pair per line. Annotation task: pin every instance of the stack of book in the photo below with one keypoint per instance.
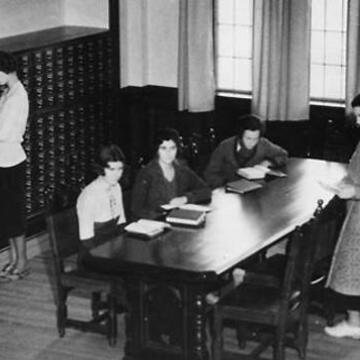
x,y
186,217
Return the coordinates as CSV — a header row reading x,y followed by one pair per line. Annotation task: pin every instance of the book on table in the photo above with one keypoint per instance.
x,y
258,172
242,186
186,217
187,206
146,228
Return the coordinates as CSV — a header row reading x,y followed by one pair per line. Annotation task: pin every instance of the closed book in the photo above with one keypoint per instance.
x,y
242,186
186,217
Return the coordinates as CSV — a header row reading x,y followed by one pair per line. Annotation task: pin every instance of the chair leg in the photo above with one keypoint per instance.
x,y
112,320
61,313
95,304
279,351
241,336
217,341
301,340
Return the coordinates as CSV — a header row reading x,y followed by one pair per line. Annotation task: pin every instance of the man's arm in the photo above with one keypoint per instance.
x,y
275,154
214,172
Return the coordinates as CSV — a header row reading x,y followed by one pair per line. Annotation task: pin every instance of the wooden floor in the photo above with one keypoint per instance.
x,y
28,330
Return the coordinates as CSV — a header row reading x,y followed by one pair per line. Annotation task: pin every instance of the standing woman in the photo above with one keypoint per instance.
x,y
344,276
165,180
14,110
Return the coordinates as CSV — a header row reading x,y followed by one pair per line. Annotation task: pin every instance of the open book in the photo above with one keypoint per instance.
x,y
258,172
186,217
147,228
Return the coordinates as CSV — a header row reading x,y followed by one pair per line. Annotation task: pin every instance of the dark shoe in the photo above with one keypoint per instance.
x,y
15,274
6,270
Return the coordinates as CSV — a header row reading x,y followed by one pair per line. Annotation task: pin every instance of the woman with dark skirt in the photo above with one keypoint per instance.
x,y
165,180
14,110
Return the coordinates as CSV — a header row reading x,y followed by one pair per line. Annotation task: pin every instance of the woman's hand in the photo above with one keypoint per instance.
x,y
265,163
178,201
346,191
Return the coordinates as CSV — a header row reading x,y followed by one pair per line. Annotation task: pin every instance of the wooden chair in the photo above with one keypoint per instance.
x,y
270,310
69,278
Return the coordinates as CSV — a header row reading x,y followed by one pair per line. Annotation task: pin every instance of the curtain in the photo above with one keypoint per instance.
x,y
352,53
281,59
196,83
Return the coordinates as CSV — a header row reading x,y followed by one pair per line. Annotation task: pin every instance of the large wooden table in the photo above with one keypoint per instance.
x,y
167,277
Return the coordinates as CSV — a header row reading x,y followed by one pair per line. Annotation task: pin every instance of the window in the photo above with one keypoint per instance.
x,y
328,49
234,27
234,23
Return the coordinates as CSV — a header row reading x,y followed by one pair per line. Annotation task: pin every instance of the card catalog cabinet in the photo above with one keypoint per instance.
x,y
71,79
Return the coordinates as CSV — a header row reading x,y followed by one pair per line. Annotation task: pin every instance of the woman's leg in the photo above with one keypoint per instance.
x,y
12,252
354,318
351,326
20,251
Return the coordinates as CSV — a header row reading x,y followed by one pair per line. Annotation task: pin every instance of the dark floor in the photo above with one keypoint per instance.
x,y
28,329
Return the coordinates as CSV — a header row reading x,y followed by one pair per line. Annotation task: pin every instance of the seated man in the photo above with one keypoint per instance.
x,y
248,148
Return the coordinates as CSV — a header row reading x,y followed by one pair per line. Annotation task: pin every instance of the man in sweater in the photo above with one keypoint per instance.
x,y
247,148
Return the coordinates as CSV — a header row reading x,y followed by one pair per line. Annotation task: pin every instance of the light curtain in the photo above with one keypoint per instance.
x,y
353,53
281,59
196,83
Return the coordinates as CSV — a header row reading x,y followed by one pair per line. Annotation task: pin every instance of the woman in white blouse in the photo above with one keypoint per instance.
x,y
14,111
100,207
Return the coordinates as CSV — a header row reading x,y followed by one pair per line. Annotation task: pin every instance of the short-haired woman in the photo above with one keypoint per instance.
x,y
14,111
166,180
100,205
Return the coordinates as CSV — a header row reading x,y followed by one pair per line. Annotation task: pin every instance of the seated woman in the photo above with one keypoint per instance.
x,y
100,207
165,180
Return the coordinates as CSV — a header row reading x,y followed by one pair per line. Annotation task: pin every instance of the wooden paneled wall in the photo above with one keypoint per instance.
x,y
324,135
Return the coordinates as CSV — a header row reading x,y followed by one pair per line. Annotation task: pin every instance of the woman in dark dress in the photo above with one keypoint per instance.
x,y
165,180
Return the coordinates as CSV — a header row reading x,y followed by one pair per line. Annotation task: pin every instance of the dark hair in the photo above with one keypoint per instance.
x,y
250,122
355,101
106,154
8,63
166,134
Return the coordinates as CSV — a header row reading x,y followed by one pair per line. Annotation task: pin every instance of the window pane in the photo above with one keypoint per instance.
x,y
234,44
333,82
317,47
343,48
243,42
317,14
225,74
333,46
225,11
328,49
225,40
243,12
317,81
334,15
243,75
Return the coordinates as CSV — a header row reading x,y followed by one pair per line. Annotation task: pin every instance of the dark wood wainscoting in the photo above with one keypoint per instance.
x,y
143,110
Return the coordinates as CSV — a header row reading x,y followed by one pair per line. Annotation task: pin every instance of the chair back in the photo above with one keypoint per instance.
x,y
63,233
300,263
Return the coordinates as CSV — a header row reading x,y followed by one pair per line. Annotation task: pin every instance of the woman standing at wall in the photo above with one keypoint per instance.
x,y
14,111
